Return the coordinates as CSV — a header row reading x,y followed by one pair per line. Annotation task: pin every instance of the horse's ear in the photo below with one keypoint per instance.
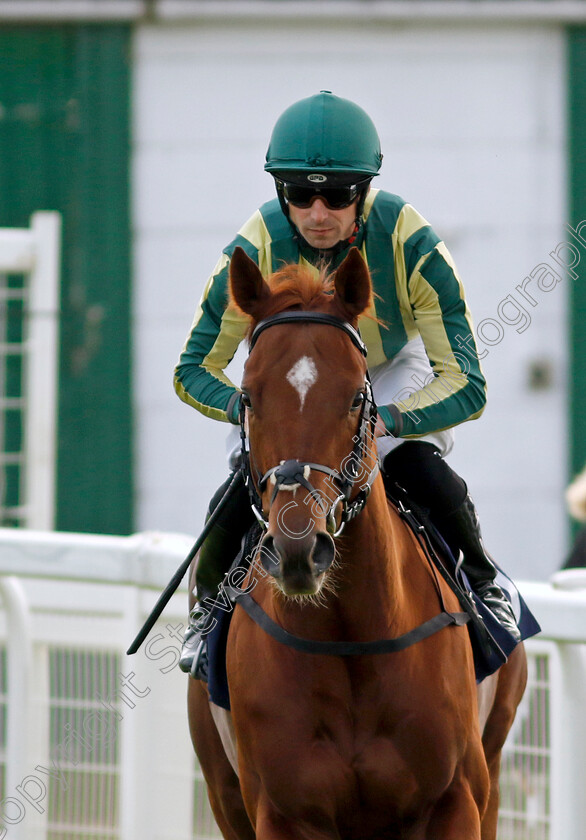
x,y
247,285
352,285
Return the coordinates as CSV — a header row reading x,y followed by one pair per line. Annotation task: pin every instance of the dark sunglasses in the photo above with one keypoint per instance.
x,y
335,197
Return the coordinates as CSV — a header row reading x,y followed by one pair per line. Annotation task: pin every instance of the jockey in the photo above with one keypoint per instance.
x,y
323,154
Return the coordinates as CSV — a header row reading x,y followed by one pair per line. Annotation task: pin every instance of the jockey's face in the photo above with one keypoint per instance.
x,y
322,226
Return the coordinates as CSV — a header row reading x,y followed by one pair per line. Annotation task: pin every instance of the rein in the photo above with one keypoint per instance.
x,y
417,634
423,631
293,472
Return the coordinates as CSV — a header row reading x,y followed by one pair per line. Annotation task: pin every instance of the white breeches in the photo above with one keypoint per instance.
x,y
390,378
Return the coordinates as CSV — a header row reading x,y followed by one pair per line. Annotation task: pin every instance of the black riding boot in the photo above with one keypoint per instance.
x,y
419,468
222,544
214,559
462,529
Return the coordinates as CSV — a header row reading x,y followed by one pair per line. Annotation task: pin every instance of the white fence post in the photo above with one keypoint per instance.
x,y
41,385
19,749
570,772
35,252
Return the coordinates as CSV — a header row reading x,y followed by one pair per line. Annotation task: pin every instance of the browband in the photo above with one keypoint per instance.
x,y
303,316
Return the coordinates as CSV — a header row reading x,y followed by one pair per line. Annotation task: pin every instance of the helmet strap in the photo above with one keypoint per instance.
x,y
360,205
283,202
352,238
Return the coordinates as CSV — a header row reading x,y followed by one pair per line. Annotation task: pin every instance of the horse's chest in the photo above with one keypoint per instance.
x,y
407,757
356,742
375,786
367,769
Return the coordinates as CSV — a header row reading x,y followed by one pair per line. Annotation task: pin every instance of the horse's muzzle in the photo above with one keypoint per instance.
x,y
298,565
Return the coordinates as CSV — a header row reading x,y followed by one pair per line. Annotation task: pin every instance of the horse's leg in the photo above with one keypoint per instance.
x,y
221,780
512,679
222,783
271,825
457,815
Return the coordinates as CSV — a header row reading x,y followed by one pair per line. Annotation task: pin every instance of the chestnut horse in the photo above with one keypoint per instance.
x,y
371,746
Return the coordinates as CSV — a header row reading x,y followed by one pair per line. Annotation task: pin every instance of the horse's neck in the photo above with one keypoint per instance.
x,y
381,568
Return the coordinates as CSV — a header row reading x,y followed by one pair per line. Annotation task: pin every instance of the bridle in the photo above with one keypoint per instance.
x,y
292,473
296,473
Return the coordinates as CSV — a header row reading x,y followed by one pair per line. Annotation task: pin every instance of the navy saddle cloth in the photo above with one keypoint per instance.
x,y
487,657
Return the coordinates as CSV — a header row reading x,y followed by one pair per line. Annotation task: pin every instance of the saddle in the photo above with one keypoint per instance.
x,y
491,643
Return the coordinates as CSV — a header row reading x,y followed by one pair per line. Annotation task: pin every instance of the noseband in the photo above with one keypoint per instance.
x,y
289,475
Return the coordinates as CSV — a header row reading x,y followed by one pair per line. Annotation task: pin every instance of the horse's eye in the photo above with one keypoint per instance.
x,y
358,399
245,399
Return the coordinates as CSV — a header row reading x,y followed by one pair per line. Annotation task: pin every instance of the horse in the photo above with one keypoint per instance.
x,y
394,745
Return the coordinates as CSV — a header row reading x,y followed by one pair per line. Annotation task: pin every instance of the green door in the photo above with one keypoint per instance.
x,y
65,145
577,196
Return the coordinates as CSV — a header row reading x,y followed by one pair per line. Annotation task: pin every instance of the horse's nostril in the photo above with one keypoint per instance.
x,y
269,557
323,553
297,565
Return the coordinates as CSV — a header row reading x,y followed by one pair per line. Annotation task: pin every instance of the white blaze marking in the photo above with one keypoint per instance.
x,y
302,376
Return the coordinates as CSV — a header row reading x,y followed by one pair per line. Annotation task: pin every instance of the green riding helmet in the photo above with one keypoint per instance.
x,y
324,137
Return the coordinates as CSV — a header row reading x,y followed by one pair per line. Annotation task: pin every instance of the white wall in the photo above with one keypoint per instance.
x,y
472,124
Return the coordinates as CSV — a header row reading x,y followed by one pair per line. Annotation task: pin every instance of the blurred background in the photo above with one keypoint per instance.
x,y
145,124
132,144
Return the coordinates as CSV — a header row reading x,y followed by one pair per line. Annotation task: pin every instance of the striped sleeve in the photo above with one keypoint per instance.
x,y
455,391
215,335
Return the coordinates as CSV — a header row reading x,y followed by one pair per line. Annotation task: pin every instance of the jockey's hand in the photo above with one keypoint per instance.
x,y
380,429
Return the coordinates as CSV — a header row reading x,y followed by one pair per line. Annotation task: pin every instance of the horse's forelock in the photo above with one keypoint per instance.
x,y
296,287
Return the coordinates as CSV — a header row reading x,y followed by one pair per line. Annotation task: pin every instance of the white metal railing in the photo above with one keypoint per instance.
x,y
28,370
545,756
95,744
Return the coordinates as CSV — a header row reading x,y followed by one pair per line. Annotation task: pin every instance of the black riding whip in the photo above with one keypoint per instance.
x,y
166,594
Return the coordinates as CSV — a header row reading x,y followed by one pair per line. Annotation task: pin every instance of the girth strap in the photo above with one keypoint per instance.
x,y
423,631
